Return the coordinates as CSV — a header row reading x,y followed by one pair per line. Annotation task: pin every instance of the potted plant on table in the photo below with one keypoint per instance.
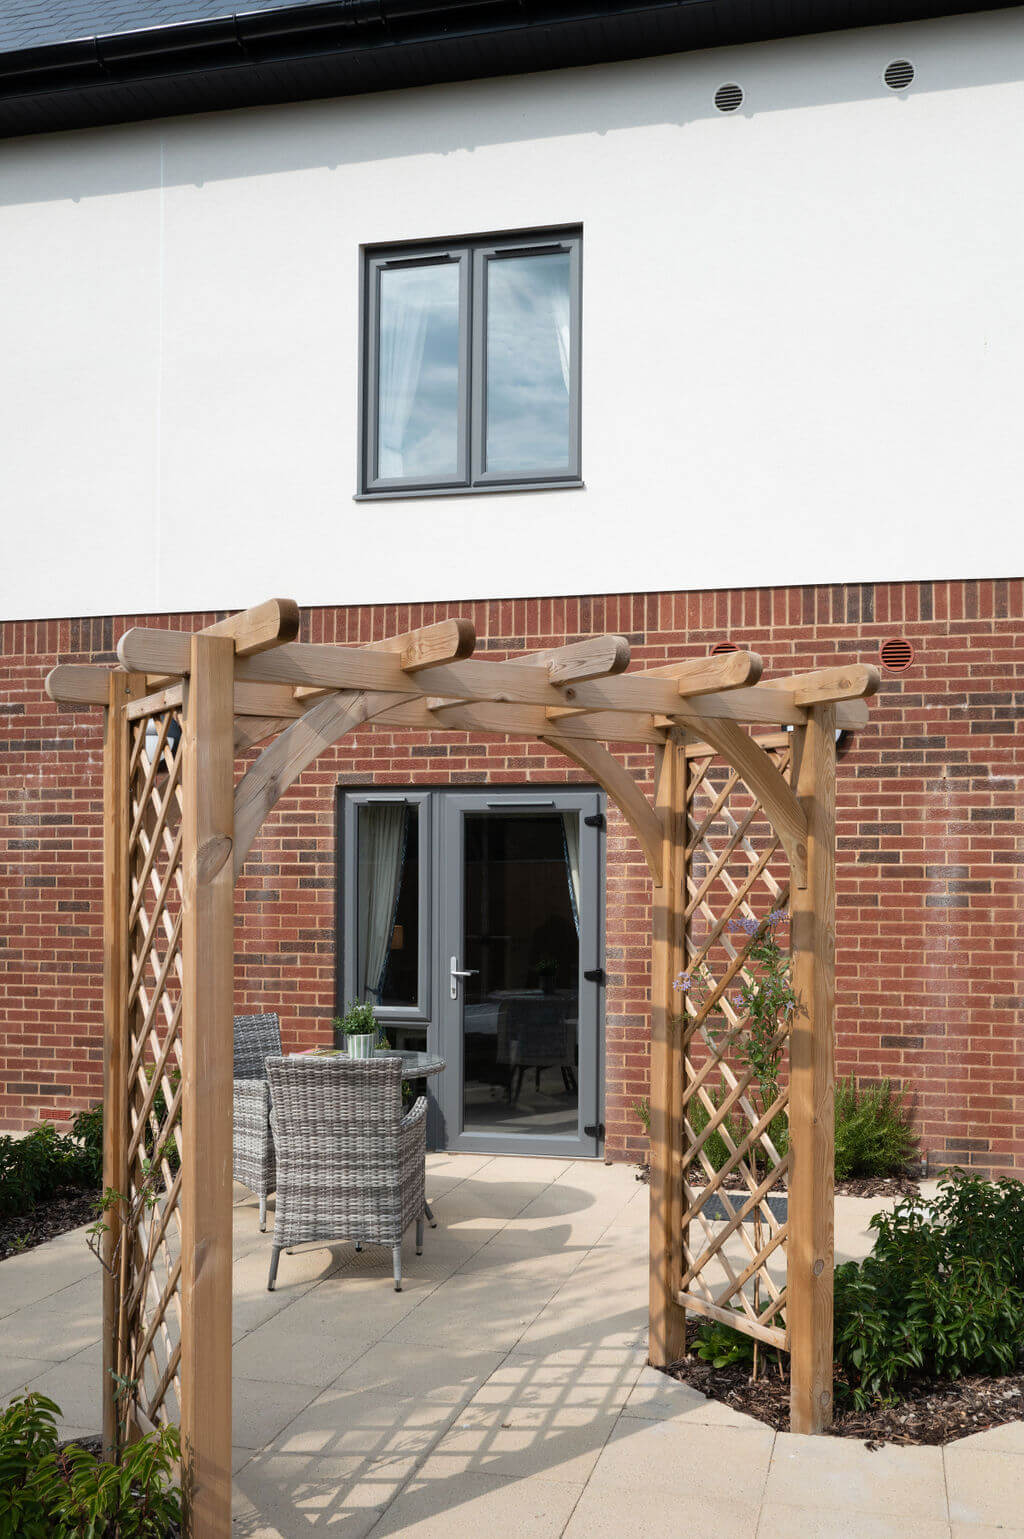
x,y
360,1029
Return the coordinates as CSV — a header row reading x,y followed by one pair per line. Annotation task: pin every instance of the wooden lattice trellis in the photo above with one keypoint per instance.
x,y
731,886
177,830
148,1345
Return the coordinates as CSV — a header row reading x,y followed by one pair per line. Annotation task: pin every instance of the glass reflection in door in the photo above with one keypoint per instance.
x,y
521,956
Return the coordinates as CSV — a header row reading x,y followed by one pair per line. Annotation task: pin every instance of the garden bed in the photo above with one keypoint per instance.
x,y
937,1411
855,1186
68,1208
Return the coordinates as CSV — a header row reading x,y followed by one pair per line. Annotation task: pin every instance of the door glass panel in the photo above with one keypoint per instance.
x,y
418,372
387,903
521,1003
528,363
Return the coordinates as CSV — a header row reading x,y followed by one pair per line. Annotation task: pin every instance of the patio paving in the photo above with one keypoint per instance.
x,y
504,1392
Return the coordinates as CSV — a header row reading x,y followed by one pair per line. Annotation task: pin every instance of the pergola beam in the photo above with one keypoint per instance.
x,y
256,630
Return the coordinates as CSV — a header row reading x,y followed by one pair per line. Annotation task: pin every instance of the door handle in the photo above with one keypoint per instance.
x,y
460,972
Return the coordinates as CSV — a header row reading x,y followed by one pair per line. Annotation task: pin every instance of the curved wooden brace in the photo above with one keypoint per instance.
x,y
756,769
281,764
614,778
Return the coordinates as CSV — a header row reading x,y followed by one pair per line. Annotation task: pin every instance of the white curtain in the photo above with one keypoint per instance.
x,y
403,334
571,840
560,315
381,856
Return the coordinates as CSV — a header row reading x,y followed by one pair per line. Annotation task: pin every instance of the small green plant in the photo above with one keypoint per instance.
x,y
874,1132
642,1112
721,1346
942,1293
87,1130
33,1168
51,1493
358,1020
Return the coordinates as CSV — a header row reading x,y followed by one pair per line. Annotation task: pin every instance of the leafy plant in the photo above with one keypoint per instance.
x,y
34,1167
874,1133
358,1020
721,1346
642,1111
51,1493
87,1130
942,1293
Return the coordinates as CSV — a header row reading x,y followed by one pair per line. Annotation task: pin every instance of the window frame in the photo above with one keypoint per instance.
x,y
347,888
472,254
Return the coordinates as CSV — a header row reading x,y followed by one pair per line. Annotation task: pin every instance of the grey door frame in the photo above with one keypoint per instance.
x,y
449,930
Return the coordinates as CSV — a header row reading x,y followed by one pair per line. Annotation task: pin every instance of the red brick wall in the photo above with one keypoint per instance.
x,y
931,845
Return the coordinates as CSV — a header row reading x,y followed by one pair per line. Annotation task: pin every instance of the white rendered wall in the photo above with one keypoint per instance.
x,y
803,332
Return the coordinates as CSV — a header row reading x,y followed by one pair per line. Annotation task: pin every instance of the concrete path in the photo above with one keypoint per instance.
x,y
503,1392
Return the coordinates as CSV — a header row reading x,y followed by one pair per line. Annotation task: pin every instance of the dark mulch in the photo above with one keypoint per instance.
x,y
856,1186
67,1209
935,1412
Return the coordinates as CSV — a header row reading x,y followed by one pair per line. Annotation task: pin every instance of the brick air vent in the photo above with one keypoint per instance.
x,y
723,646
897,654
729,97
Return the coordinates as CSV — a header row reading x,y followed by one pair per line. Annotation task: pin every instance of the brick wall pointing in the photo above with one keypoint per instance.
x,y
930,965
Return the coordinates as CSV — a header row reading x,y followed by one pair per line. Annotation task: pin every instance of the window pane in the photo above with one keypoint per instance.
x,y
387,904
418,373
528,361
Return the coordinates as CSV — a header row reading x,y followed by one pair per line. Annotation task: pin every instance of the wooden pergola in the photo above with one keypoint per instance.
x,y
177,830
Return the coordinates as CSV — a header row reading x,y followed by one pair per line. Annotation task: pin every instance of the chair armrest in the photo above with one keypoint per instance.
x,y
416,1114
252,1093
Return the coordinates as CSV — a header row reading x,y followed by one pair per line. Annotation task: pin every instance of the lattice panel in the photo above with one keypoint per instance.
x,y
149,1328
736,875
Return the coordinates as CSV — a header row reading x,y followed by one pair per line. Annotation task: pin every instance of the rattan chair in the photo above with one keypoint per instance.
x,y
257,1037
349,1165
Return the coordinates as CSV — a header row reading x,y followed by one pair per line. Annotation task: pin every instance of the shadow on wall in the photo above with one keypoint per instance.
x,y
826,70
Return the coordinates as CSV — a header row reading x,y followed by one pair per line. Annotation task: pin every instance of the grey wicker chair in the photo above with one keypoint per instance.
x,y
257,1037
349,1165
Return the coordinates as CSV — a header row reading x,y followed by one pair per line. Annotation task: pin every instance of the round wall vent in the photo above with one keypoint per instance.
x,y
723,646
899,74
729,97
897,654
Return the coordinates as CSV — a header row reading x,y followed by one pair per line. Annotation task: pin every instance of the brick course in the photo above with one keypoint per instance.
x,y
930,971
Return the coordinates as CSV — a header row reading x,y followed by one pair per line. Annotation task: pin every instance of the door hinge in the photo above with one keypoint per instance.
x,y
594,1130
595,820
594,975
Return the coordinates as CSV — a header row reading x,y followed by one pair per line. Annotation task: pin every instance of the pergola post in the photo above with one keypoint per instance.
x,y
667,1317
121,688
207,1073
811,1111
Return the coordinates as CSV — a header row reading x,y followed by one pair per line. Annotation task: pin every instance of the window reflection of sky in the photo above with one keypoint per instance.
x,y
419,372
528,363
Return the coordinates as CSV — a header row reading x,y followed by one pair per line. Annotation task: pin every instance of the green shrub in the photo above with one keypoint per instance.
x,y
716,1149
721,1346
34,1167
70,1494
87,1130
942,1293
874,1133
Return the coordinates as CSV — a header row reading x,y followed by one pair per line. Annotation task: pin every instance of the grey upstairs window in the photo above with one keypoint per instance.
x,y
471,368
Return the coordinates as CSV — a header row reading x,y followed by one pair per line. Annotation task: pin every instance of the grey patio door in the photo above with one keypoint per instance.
x,y
518,959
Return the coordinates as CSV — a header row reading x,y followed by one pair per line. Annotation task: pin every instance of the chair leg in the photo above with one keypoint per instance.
x,y
275,1256
419,1237
396,1257
263,1214
359,1245
428,1210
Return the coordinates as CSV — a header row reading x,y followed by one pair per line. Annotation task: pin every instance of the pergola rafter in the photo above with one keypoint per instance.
x,y
168,896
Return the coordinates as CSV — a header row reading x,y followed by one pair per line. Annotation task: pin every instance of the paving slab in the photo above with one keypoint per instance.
x,y
438,1504
779,1521
16,1373
842,1474
710,1463
610,1513
60,1324
657,1397
985,1486
420,1371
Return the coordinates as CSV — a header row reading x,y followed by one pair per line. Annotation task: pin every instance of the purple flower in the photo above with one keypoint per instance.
x,y
748,926
777,915
683,983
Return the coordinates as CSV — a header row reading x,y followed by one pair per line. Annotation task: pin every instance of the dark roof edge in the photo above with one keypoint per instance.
x,y
343,47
